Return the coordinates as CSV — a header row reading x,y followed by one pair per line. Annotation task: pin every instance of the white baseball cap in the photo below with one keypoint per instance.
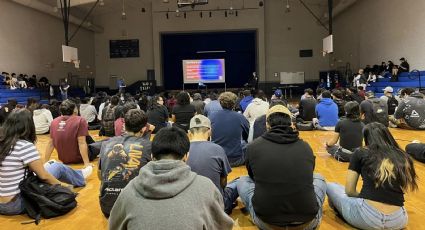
x,y
388,89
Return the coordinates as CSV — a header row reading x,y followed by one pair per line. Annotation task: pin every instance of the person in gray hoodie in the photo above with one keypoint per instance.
x,y
167,194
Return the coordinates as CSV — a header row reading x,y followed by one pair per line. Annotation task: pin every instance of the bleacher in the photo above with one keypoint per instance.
x,y
22,95
405,80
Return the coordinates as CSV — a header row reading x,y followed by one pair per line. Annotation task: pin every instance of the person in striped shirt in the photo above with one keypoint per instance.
x,y
17,152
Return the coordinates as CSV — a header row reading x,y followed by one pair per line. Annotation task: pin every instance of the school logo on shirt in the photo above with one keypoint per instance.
x,y
61,127
414,114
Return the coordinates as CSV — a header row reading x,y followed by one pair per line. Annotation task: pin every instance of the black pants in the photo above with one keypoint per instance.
x,y
417,151
92,154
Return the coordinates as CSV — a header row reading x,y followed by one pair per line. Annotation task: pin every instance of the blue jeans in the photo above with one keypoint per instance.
x,y
358,213
66,174
14,207
230,194
246,187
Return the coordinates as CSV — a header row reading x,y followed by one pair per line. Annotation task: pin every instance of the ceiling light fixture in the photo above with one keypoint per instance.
x,y
123,14
288,7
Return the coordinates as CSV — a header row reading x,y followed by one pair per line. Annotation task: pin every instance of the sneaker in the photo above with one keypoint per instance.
x,y
87,171
49,163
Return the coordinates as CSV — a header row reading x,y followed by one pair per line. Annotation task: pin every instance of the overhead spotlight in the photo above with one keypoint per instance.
x,y
288,7
201,14
237,13
123,16
167,16
225,13
101,3
177,13
210,14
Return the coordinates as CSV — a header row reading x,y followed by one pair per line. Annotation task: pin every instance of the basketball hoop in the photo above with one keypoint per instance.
x,y
76,63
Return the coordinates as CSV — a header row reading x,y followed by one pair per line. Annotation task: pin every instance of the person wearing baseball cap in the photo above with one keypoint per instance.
x,y
209,159
274,161
389,99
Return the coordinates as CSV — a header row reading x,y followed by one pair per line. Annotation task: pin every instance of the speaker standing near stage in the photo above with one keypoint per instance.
x,y
253,82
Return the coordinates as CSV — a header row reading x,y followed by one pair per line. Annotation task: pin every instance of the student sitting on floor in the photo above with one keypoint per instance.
x,y
88,112
213,106
209,160
42,118
281,190
157,113
339,101
230,129
387,172
389,99
327,113
416,150
122,157
410,113
108,117
69,136
348,132
246,100
255,109
18,152
183,111
307,107
373,110
167,195
7,109
260,126
120,111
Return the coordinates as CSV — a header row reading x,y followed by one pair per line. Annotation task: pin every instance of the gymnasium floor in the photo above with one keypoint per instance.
x,y
88,215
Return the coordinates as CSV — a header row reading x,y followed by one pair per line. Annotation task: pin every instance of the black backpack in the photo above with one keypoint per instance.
x,y
379,111
108,121
392,105
45,200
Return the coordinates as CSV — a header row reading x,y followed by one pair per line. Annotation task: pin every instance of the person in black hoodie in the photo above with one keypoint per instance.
x,y
281,189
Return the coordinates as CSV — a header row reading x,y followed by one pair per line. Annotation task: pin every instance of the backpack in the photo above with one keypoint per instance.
x,y
379,112
392,105
108,121
45,200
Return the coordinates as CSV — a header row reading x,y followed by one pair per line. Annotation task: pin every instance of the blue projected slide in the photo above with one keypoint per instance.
x,y
204,71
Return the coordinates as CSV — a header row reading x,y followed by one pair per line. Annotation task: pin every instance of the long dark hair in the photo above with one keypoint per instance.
x,y
387,161
19,125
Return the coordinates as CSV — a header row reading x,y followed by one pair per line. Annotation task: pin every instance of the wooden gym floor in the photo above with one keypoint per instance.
x,y
88,215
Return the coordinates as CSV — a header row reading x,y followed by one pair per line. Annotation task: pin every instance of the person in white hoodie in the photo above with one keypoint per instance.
x,y
255,109
88,111
42,118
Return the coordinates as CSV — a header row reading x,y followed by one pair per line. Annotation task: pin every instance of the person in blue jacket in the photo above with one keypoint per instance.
x,y
327,113
246,100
